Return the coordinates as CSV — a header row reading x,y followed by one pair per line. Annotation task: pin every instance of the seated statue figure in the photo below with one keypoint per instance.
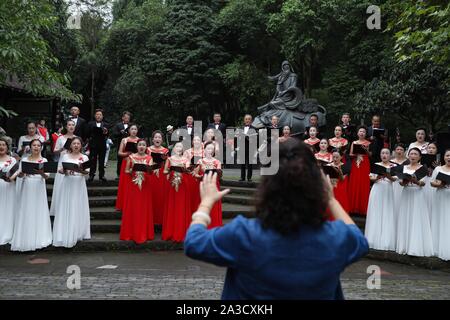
x,y
288,104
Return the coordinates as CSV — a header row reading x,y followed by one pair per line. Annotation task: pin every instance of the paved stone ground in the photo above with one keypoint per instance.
x,y
171,275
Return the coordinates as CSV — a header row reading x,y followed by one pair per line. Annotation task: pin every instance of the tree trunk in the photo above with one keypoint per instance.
x,y
92,92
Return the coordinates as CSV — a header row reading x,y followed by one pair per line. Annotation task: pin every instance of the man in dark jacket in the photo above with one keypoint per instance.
x,y
80,123
244,133
218,125
120,131
97,134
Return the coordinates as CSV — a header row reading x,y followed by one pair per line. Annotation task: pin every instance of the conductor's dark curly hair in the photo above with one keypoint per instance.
x,y
295,196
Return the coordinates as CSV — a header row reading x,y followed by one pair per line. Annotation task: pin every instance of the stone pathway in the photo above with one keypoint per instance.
x,y
171,275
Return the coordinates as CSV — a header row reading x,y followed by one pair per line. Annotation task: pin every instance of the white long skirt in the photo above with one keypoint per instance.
x,y
7,202
56,191
57,184
72,218
441,223
380,229
429,193
413,226
397,196
32,227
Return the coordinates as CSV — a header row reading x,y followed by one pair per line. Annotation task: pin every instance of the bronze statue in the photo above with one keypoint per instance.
x,y
289,104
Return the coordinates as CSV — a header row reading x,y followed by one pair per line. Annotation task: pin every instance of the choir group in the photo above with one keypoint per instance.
x,y
162,189
405,193
154,188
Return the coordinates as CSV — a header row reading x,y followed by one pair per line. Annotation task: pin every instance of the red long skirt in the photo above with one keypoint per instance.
x,y
124,182
178,214
216,212
137,214
159,188
341,195
193,185
359,186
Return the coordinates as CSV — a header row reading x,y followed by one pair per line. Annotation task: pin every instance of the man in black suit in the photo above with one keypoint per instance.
x,y
97,135
314,122
377,142
217,125
120,131
80,123
349,129
189,126
243,133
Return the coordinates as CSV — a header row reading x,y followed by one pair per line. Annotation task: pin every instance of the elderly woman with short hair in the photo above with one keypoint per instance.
x,y
290,251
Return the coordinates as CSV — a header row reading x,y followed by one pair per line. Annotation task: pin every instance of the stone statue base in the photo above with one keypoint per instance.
x,y
297,119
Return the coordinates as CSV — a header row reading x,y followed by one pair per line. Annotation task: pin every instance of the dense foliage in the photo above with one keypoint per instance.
x,y
163,60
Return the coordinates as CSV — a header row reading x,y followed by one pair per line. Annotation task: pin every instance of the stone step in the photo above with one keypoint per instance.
x,y
115,183
238,199
113,226
93,191
110,200
229,211
240,190
99,191
95,183
101,242
103,201
242,184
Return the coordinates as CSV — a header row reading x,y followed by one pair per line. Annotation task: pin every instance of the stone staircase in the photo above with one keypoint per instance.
x,y
105,224
105,220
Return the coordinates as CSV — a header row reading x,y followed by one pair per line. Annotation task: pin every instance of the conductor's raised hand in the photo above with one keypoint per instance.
x,y
208,190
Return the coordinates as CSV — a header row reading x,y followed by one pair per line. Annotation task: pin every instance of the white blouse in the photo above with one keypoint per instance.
x,y
422,148
68,158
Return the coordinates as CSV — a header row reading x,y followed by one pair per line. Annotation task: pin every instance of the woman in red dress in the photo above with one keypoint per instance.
x,y
211,163
178,209
323,154
125,179
193,155
210,136
339,142
158,181
313,141
359,182
340,185
137,214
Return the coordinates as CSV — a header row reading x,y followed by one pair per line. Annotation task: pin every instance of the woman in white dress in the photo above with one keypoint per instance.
x,y
59,149
23,147
32,227
413,225
72,220
429,190
420,142
7,194
399,159
440,223
380,229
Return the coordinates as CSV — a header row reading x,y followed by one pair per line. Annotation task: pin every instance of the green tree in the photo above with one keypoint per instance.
x,y
422,31
415,94
24,51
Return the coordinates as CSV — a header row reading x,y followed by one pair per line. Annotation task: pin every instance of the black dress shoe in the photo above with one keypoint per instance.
x,y
91,179
103,179
241,180
249,180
